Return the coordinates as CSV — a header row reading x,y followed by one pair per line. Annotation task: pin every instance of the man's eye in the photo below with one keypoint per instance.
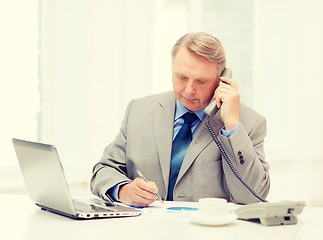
x,y
201,82
183,78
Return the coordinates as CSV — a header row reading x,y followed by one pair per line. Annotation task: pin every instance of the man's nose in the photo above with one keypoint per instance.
x,y
190,88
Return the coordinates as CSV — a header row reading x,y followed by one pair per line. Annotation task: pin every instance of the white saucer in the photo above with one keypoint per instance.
x,y
213,221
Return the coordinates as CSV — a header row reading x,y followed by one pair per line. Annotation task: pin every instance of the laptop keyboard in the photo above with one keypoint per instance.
x,y
90,208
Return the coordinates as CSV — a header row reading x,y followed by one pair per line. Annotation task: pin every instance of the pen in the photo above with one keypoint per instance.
x,y
143,177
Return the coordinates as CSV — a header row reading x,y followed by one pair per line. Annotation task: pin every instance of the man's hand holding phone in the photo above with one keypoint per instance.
x,y
227,98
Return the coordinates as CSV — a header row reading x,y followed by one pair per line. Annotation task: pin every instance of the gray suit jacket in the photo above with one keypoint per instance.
x,y
145,141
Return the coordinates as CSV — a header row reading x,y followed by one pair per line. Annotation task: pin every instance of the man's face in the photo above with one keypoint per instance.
x,y
194,79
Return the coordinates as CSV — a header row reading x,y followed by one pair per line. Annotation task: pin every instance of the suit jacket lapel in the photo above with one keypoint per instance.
x,y
163,125
200,141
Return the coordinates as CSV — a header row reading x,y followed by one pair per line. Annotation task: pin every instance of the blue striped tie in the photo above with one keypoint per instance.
x,y
180,145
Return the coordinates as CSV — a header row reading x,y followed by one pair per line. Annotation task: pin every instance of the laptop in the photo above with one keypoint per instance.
x,y
47,186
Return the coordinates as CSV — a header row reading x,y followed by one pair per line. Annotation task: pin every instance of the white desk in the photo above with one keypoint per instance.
x,y
21,219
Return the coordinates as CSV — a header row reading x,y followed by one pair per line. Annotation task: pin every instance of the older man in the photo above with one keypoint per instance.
x,y
165,136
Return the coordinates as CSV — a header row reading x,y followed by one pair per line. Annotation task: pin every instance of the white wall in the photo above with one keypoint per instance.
x,y
306,81
65,80
288,77
95,57
19,93
288,82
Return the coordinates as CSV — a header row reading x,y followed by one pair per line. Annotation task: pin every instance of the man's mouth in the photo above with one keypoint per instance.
x,y
189,99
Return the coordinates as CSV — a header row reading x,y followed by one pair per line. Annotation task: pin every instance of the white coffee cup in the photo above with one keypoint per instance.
x,y
213,207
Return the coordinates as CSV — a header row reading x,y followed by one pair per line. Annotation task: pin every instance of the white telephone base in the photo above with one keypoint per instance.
x,y
271,214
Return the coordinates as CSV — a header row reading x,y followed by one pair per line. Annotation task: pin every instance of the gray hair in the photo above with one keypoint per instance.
x,y
202,44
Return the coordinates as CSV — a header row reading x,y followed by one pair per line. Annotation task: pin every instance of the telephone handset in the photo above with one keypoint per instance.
x,y
270,214
212,108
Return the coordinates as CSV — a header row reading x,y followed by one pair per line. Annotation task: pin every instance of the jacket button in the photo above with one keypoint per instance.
x,y
241,159
240,153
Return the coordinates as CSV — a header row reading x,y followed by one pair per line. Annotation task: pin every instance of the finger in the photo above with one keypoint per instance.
x,y
146,186
132,195
138,201
146,190
226,91
225,80
221,90
218,100
229,81
146,195
224,88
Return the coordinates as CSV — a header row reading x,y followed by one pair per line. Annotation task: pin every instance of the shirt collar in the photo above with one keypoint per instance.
x,y
181,110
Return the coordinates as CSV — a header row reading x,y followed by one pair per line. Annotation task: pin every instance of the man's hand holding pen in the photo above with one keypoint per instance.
x,y
138,193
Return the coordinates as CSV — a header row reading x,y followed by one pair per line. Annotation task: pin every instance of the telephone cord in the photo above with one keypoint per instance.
x,y
218,143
